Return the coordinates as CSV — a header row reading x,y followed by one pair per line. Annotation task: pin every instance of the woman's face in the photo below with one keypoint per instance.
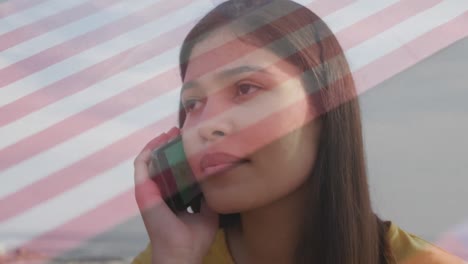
x,y
251,113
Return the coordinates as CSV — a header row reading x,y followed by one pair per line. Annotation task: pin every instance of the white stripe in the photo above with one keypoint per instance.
x,y
103,51
62,34
35,14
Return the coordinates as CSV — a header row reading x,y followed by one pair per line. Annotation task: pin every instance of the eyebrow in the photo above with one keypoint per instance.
x,y
229,73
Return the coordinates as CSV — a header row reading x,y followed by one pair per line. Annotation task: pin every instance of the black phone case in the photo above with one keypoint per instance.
x,y
166,179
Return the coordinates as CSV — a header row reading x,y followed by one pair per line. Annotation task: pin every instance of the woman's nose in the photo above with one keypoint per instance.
x,y
212,133
214,129
216,123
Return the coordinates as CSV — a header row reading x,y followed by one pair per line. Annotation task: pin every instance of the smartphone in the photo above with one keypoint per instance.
x,y
170,169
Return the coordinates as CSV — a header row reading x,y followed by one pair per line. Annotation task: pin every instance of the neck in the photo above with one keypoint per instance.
x,y
269,234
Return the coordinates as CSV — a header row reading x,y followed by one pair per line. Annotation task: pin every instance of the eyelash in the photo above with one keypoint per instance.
x,y
187,103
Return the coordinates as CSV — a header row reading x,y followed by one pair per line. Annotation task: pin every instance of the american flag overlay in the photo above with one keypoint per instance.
x,y
85,84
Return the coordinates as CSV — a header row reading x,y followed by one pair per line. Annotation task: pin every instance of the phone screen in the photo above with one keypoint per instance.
x,y
181,170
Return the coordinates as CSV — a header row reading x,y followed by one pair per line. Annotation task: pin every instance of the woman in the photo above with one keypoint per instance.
x,y
267,83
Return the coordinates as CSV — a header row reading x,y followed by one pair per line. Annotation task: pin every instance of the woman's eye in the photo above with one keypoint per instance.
x,y
189,105
246,87
242,89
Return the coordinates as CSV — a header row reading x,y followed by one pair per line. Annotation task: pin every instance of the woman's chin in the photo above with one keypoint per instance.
x,y
224,205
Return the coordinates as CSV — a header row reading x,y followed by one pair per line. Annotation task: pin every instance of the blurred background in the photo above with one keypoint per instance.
x,y
85,84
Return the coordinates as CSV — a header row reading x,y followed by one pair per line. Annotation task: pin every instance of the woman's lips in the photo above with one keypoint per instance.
x,y
218,161
222,167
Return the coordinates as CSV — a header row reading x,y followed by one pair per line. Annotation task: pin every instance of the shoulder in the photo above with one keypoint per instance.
x,y
409,248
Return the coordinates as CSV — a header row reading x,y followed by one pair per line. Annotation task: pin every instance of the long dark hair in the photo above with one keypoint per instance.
x,y
340,225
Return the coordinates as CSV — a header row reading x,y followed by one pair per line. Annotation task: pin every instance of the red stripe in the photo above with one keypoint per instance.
x,y
123,207
44,25
13,6
81,43
75,126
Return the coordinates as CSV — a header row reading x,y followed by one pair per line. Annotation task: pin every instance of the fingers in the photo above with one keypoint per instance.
x,y
141,162
174,131
146,190
155,212
156,142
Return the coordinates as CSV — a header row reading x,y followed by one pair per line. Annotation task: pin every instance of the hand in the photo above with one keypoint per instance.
x,y
185,237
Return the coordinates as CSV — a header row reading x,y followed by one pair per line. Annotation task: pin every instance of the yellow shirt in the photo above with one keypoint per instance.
x,y
407,248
